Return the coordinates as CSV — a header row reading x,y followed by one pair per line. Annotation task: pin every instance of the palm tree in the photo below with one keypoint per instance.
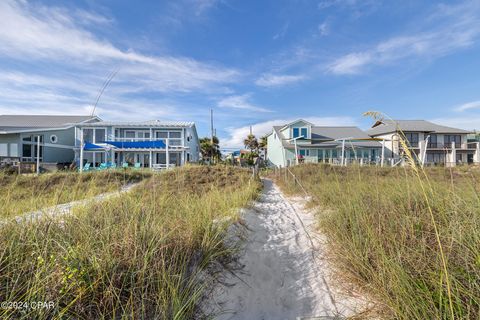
x,y
262,145
251,143
210,152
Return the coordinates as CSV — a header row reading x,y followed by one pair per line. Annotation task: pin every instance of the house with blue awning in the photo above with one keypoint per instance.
x,y
149,144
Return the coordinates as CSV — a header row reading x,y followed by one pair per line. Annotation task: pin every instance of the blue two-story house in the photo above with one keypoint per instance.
x,y
150,144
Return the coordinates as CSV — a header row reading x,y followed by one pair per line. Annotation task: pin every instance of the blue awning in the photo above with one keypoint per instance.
x,y
137,144
92,147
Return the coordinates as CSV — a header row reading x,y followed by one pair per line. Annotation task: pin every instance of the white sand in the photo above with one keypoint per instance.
x,y
285,273
66,208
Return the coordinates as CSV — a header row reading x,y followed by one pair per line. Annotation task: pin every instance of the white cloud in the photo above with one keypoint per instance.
x,y
203,5
34,33
237,135
240,102
351,63
271,80
324,29
468,106
453,28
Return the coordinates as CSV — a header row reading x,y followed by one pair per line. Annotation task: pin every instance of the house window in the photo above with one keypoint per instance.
x,y
130,134
27,150
412,139
435,158
304,152
296,132
99,135
304,133
88,135
449,138
162,134
175,134
432,141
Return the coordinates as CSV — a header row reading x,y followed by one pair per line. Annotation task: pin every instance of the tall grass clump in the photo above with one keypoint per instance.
x,y
26,193
409,237
142,255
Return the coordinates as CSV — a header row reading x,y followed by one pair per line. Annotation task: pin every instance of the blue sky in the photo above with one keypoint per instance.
x,y
256,63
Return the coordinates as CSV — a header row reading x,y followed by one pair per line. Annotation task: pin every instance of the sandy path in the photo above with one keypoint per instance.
x,y
284,274
66,208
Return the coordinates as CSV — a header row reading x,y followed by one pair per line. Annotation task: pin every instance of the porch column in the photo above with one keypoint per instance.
x,y
167,154
422,152
453,156
81,149
38,155
150,161
382,159
476,155
112,152
343,153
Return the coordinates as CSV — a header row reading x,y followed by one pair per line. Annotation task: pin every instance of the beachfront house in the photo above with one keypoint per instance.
x,y
302,141
431,144
48,139
151,144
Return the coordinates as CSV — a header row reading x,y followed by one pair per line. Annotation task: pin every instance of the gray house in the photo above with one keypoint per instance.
x,y
20,134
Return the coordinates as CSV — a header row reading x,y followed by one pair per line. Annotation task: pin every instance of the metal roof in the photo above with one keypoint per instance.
x,y
323,136
389,126
137,124
20,123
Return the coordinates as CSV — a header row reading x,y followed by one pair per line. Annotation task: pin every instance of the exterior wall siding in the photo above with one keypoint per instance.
x,y
274,151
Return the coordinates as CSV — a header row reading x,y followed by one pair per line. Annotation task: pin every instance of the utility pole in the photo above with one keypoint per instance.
x,y
211,124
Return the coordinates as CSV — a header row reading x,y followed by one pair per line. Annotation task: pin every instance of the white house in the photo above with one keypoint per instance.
x,y
431,143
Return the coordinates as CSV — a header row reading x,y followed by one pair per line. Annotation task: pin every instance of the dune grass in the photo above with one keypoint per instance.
x,y
141,255
25,193
385,227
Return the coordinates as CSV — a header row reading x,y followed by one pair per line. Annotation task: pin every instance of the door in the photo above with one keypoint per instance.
x,y
143,159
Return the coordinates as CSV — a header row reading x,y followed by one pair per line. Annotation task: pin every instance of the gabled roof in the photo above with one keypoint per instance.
x,y
138,124
26,123
293,122
389,126
324,136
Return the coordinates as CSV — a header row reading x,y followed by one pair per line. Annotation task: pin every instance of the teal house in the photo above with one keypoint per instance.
x,y
302,141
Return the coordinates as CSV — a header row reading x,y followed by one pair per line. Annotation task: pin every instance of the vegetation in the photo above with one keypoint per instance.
x,y
142,255
251,143
25,193
411,238
210,151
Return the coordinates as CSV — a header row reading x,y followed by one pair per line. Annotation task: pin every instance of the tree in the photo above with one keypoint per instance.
x,y
251,143
210,152
262,145
263,142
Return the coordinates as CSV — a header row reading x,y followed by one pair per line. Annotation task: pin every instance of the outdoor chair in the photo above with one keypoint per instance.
x,y
102,166
125,165
87,166
113,165
137,165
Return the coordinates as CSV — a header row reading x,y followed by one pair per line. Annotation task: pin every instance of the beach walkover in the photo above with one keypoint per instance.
x,y
284,272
